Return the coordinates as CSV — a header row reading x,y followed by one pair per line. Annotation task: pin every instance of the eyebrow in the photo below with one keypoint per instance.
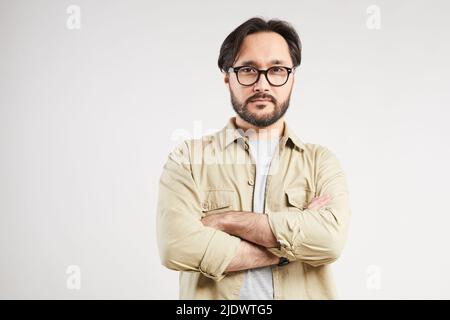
x,y
255,64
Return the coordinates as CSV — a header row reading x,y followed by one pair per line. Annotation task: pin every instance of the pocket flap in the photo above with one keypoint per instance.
x,y
297,197
217,199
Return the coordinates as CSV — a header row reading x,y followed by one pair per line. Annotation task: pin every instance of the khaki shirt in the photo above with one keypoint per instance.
x,y
216,174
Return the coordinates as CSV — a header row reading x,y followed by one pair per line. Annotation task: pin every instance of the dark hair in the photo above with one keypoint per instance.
x,y
232,43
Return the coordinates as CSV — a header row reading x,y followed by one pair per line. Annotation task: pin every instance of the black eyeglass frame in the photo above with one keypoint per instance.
x,y
260,71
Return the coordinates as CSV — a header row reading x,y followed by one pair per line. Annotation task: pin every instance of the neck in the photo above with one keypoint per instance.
x,y
273,131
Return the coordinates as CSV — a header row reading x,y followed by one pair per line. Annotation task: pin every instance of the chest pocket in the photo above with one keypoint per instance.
x,y
297,198
217,201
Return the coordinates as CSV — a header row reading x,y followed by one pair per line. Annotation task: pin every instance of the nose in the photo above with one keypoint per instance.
x,y
262,85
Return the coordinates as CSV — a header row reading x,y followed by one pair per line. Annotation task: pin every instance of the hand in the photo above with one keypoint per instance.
x,y
214,221
319,202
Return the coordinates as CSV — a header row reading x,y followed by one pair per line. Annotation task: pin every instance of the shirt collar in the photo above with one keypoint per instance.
x,y
231,133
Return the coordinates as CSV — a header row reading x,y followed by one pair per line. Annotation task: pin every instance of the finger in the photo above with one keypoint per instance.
x,y
313,204
325,198
319,202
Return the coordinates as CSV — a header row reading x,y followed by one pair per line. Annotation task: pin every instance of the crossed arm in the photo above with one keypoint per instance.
x,y
238,240
256,234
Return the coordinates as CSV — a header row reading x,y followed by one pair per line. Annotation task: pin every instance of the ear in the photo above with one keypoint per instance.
x,y
293,78
226,78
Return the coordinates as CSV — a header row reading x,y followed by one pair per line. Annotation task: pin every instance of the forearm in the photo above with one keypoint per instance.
x,y
250,256
250,226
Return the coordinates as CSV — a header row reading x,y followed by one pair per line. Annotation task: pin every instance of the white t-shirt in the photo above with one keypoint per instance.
x,y
258,283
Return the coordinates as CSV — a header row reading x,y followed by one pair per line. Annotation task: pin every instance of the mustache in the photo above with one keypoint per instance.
x,y
261,96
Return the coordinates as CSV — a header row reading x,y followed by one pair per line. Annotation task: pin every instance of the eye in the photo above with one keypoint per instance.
x,y
247,70
277,69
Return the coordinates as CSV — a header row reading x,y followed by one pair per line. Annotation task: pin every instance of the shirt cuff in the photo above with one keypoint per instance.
x,y
222,248
284,248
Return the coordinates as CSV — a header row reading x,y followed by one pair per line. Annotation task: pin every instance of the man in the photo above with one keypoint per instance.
x,y
252,212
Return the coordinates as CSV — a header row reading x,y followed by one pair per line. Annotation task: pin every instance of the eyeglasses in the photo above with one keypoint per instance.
x,y
247,75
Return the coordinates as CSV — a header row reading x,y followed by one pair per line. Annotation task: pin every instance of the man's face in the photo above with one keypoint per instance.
x,y
261,50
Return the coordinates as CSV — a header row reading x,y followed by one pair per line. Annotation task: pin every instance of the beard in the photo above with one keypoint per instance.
x,y
255,119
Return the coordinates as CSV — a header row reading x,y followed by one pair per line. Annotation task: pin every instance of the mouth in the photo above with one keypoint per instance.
x,y
261,100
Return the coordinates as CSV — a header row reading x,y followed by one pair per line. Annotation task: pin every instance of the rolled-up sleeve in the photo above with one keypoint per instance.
x,y
316,237
184,243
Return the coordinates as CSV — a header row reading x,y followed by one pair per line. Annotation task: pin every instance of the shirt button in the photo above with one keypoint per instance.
x,y
251,182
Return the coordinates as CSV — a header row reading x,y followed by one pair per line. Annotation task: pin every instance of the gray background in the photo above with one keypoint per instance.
x,y
88,116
